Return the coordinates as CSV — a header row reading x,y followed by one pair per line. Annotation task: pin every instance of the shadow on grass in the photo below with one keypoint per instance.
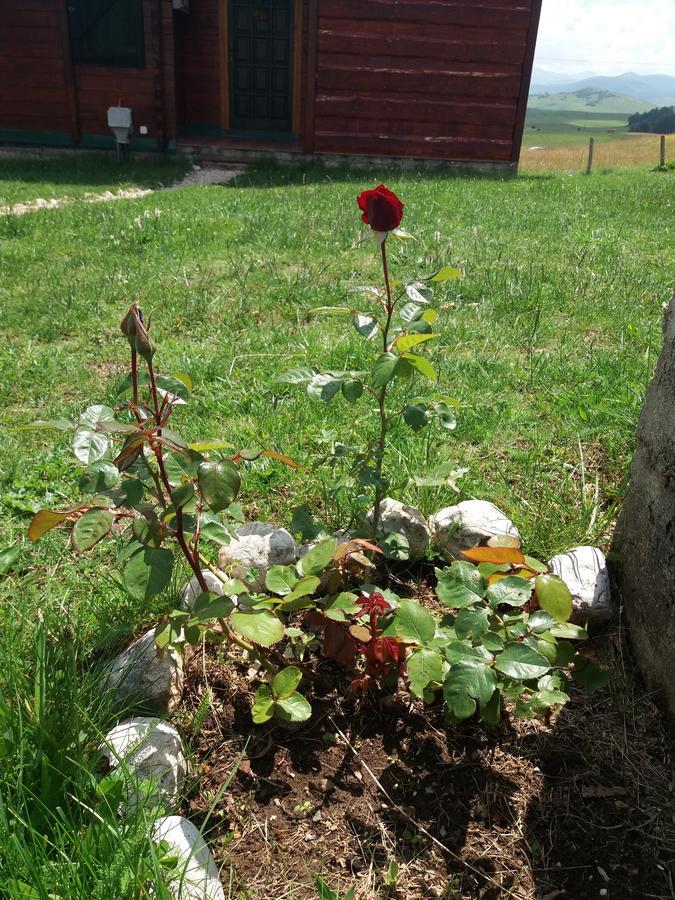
x,y
267,175
91,172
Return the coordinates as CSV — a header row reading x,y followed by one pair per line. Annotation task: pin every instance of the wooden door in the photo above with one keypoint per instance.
x,y
261,65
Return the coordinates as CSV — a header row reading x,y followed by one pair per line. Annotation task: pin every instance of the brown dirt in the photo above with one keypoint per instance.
x,y
572,810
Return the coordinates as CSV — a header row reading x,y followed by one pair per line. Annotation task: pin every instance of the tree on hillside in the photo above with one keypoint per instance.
x,y
660,120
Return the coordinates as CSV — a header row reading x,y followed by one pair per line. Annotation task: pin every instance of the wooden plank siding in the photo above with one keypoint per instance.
x,y
198,74
420,78
33,82
41,91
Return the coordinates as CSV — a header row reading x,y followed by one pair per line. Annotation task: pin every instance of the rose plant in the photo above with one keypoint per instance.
x,y
398,319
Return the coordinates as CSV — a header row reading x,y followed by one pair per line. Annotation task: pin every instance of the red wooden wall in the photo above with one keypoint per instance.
x,y
422,78
33,87
198,42
41,91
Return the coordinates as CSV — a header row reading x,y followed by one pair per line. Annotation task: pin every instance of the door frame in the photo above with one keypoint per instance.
x,y
296,67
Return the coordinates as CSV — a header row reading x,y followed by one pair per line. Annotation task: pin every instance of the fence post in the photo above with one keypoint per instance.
x,y
591,146
662,156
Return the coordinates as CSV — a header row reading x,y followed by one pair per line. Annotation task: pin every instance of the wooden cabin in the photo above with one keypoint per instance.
x,y
405,79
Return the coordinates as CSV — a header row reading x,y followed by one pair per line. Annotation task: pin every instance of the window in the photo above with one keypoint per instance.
x,y
107,32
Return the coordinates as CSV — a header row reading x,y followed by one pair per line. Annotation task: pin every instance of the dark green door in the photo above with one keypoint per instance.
x,y
261,53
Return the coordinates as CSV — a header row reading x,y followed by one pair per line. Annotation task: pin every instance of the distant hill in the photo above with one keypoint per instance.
x,y
659,90
589,99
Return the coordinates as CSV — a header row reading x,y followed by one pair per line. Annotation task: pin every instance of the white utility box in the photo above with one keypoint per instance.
x,y
120,123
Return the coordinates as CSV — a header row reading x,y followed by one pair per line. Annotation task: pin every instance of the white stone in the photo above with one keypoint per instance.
x,y
466,525
259,546
196,876
141,678
584,571
192,590
150,750
406,520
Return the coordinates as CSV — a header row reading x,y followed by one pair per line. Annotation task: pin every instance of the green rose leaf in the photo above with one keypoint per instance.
x,y
412,623
98,477
352,389
365,325
464,684
148,573
263,705
521,662
176,389
258,625
293,709
318,558
281,579
472,621
460,586
339,606
424,666
570,632
286,682
416,416
213,529
540,620
323,387
422,365
461,651
91,527
218,483
89,446
148,532
383,370
447,273
408,341
304,588
510,591
182,494
554,596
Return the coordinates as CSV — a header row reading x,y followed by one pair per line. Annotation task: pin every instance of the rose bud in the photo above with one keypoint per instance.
x,y
382,209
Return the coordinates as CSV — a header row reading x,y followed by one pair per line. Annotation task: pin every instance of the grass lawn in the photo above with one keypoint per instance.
x,y
547,346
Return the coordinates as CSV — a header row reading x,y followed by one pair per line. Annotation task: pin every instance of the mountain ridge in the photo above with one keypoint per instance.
x,y
659,90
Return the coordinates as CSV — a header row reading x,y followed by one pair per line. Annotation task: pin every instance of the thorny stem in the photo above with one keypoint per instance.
x,y
192,559
381,401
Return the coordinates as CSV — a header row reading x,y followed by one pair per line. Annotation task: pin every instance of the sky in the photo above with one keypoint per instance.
x,y
607,37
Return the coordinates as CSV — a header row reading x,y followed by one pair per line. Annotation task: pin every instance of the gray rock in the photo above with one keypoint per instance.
x,y
259,546
150,750
468,524
192,590
196,876
642,559
142,679
584,571
399,518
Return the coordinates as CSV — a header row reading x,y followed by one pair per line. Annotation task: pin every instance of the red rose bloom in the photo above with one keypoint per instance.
x,y
382,209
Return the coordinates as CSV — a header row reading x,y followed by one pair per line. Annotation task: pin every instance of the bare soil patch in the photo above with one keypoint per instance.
x,y
576,808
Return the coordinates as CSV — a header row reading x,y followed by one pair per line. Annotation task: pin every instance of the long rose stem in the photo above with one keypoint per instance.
x,y
381,402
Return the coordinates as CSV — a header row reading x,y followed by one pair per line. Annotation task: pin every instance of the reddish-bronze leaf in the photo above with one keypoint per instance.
x,y
43,521
339,645
497,555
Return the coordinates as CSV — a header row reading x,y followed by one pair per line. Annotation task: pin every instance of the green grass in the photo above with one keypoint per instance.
x,y
589,99
567,128
547,346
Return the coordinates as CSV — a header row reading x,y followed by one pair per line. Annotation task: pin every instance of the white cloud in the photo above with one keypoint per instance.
x,y
607,36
